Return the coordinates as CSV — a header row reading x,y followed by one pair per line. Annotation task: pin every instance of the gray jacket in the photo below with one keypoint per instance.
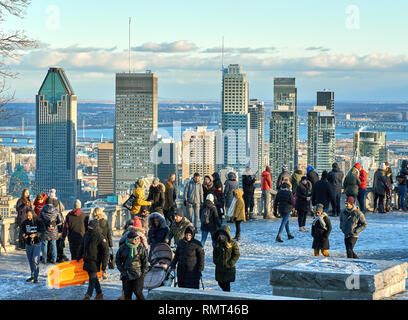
x,y
193,193
51,218
352,222
229,186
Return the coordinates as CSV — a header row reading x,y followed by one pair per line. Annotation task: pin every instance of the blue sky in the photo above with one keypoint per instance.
x,y
358,49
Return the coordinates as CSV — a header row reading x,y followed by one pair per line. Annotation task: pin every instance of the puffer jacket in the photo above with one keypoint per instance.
x,y
352,182
362,176
266,181
157,234
323,193
321,234
209,217
156,196
239,209
284,199
177,230
225,256
312,175
248,184
352,222
139,200
335,179
230,185
380,184
51,219
132,268
302,193
94,250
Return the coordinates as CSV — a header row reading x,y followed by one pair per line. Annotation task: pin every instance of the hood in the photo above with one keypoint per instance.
x,y
153,215
232,176
354,171
226,229
268,169
357,166
76,212
309,168
216,176
238,193
265,174
49,211
285,186
192,231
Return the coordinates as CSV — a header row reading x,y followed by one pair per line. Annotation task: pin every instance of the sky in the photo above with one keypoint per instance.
x,y
356,48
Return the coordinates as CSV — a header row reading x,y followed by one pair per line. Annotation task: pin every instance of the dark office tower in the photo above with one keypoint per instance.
x,y
105,169
325,98
135,127
56,112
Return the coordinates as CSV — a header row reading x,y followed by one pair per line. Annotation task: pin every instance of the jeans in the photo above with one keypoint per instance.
x,y
284,223
350,242
93,284
402,195
33,255
53,244
266,202
193,209
204,235
133,286
380,199
361,199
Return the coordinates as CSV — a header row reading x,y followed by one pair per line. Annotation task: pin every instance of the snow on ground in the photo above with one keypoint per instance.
x,y
385,239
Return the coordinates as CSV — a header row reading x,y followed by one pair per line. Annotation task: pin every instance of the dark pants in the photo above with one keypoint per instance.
x,y
249,202
350,242
133,286
302,214
21,241
361,199
237,229
191,285
380,199
225,286
402,194
93,284
73,248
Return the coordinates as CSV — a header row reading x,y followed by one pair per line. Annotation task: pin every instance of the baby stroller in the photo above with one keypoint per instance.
x,y
159,273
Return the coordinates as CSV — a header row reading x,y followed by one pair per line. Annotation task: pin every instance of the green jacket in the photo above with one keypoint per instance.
x,y
225,256
296,177
177,230
351,182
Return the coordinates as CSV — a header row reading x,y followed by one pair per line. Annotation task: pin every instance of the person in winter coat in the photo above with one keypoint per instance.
x,y
390,182
284,174
312,175
32,228
230,185
284,201
208,187
51,219
39,203
362,188
239,213
143,216
140,199
335,179
380,186
321,228
158,230
138,230
209,219
170,198
131,261
76,223
296,178
303,199
266,185
189,259
22,206
352,222
156,196
225,256
402,185
218,194
94,251
193,199
104,228
178,227
322,193
248,185
351,183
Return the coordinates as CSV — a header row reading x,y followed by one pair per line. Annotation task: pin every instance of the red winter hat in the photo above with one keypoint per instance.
x,y
350,200
357,166
137,223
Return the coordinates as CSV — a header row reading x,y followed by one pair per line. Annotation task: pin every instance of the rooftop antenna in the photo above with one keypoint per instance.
x,y
129,42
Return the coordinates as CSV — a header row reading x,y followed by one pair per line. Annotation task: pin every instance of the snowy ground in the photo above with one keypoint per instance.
x,y
385,239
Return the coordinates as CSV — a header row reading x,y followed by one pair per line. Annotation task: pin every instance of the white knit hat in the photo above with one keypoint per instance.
x,y
210,197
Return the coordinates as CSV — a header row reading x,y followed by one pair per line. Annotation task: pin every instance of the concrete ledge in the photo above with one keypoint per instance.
x,y
172,293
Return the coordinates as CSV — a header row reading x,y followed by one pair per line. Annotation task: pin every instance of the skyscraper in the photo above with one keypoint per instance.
x,y
320,138
167,161
371,144
285,94
282,140
56,113
325,98
135,126
235,118
256,111
105,169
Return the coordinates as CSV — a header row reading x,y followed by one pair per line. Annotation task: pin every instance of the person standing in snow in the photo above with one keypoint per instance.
x,y
303,199
321,228
266,187
284,201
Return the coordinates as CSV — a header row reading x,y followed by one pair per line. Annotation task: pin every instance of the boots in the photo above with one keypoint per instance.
x,y
325,253
30,279
290,236
316,252
99,297
87,297
278,238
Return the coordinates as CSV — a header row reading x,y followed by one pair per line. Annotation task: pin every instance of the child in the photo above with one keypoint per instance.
x,y
239,213
321,228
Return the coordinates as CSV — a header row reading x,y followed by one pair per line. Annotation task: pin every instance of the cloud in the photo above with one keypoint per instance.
x,y
167,47
321,49
245,50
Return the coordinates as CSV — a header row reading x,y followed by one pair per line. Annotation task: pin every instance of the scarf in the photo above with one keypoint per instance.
x,y
320,220
132,247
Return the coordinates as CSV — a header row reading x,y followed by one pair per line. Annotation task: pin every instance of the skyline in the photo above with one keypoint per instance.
x,y
268,40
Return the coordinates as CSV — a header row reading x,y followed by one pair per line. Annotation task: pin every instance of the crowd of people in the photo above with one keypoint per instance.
x,y
209,206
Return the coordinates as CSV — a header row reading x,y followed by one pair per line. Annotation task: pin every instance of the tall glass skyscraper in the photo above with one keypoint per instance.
x,y
135,127
256,111
56,112
371,144
325,98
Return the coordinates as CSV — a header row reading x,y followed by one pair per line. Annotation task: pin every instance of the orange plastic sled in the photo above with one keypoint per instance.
x,y
68,274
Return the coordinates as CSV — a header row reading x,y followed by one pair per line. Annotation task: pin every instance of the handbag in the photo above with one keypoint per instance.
x,y
231,208
111,262
129,202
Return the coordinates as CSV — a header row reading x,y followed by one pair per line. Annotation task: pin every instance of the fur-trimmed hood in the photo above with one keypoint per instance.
x,y
160,188
162,220
139,232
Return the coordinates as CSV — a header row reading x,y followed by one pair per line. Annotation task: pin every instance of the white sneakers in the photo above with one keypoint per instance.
x,y
303,229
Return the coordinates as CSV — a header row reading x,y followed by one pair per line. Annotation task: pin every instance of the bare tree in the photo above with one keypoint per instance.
x,y
11,43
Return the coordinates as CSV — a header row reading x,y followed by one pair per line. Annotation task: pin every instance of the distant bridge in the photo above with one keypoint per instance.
x,y
374,125
15,138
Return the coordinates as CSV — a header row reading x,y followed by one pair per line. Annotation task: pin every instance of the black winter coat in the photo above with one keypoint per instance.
x,y
285,200
156,196
22,208
380,183
320,235
157,234
335,179
94,250
248,184
132,268
302,193
75,226
208,190
106,231
281,177
209,217
322,193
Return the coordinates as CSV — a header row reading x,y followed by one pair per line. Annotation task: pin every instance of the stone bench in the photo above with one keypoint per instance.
x,y
339,279
175,293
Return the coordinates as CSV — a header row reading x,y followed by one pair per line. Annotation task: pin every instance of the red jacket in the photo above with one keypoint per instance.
x,y
266,181
363,178
39,205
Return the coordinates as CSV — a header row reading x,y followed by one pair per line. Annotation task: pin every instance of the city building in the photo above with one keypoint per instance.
x,y
167,159
370,144
198,148
105,169
136,116
282,141
256,110
321,141
326,98
8,206
56,137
